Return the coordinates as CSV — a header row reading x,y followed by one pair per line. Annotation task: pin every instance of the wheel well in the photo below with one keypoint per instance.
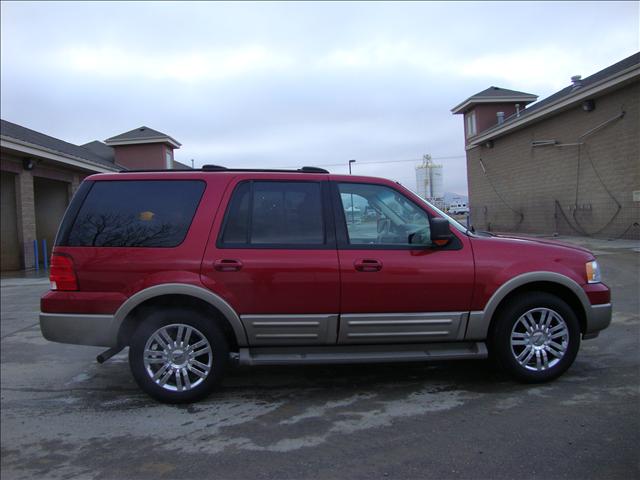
x,y
552,288
133,318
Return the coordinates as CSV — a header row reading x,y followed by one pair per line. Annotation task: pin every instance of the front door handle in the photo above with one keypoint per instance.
x,y
227,265
367,265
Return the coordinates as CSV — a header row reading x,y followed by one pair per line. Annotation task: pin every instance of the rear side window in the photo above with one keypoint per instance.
x,y
274,214
131,213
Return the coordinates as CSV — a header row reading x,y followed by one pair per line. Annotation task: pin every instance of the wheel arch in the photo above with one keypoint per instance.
x,y
131,312
480,323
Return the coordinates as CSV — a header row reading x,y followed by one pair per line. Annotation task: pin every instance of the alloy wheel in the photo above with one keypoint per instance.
x,y
539,339
178,357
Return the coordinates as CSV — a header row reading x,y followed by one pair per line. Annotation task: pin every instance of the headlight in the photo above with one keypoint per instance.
x,y
593,272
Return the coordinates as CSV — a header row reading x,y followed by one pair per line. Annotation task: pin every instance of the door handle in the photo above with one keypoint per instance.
x,y
367,265
227,265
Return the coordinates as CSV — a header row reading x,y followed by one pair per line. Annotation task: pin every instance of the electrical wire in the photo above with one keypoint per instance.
x,y
377,162
585,145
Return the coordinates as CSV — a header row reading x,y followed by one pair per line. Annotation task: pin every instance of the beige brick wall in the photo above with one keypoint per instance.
x,y
25,199
26,217
585,190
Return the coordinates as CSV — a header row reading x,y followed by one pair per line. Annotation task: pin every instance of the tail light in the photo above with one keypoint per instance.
x,y
62,275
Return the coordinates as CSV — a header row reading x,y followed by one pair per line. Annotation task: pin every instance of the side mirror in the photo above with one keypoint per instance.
x,y
440,232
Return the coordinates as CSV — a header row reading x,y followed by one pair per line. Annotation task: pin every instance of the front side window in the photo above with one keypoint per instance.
x,y
275,213
379,215
136,213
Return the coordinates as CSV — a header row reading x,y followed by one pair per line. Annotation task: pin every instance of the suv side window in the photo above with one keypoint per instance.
x,y
379,215
274,214
135,213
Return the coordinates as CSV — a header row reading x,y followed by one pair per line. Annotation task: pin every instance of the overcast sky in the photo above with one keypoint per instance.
x,y
291,84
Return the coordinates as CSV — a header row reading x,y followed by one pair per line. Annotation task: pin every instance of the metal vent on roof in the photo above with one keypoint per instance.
x,y
576,80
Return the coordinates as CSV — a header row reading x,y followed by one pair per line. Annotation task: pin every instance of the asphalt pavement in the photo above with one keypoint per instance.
x,y
64,416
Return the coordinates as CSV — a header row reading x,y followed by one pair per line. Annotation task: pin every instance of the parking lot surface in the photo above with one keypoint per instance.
x,y
65,416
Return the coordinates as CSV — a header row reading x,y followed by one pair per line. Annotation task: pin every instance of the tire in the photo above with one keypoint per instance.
x,y
174,371
535,338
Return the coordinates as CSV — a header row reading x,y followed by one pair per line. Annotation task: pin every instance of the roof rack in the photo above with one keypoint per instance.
x,y
219,168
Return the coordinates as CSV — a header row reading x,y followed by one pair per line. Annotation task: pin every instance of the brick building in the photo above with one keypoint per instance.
x,y
39,174
567,164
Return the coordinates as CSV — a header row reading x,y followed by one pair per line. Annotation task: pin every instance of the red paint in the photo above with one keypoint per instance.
x,y
141,156
272,281
498,259
486,114
598,293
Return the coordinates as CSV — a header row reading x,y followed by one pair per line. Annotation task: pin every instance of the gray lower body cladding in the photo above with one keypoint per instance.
x,y
361,353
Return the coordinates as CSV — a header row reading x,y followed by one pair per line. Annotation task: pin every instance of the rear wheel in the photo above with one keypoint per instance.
x,y
536,337
178,356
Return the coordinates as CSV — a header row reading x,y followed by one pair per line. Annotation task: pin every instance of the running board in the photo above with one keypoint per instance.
x,y
360,353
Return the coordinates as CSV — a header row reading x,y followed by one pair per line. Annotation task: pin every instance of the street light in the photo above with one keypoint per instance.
x,y
350,162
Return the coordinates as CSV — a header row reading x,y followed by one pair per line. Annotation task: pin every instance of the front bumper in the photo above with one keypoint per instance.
x,y
598,318
97,330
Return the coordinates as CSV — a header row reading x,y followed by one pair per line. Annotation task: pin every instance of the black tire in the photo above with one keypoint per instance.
x,y
202,326
505,354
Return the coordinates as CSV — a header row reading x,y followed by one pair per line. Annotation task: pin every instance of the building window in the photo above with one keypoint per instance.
x,y
169,158
471,124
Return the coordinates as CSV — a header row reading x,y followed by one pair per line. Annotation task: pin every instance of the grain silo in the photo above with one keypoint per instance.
x,y
430,180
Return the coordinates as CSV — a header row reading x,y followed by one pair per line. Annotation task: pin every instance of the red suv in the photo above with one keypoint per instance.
x,y
194,270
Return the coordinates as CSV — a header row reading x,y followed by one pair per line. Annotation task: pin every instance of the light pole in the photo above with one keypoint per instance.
x,y
350,162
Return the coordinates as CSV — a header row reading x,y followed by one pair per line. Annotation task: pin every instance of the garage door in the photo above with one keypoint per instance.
x,y
10,249
51,198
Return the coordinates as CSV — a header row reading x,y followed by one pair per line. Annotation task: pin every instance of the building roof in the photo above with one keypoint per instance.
x,y
142,135
623,71
586,82
494,95
28,136
101,149
180,166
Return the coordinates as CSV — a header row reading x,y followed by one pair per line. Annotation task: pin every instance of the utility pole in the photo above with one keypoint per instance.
x,y
350,162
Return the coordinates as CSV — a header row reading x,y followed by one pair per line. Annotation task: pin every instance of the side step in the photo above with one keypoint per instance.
x,y
361,353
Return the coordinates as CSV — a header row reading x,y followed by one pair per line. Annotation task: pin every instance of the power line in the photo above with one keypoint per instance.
x,y
374,162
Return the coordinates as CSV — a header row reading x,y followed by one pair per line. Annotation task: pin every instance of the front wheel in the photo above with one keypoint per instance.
x,y
536,337
178,356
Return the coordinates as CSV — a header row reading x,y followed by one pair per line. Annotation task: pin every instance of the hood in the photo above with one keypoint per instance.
x,y
539,241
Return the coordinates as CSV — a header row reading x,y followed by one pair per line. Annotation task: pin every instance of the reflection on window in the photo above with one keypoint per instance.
x,y
149,213
378,215
275,213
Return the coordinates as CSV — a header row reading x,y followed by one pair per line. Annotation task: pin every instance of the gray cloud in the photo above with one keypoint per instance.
x,y
286,84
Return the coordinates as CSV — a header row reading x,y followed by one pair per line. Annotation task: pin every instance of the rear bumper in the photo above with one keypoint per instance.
x,y
598,318
97,330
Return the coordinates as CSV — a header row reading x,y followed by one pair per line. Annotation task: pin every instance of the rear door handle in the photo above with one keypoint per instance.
x,y
227,265
367,265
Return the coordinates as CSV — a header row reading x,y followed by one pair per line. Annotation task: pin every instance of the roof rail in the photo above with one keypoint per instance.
x,y
219,168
